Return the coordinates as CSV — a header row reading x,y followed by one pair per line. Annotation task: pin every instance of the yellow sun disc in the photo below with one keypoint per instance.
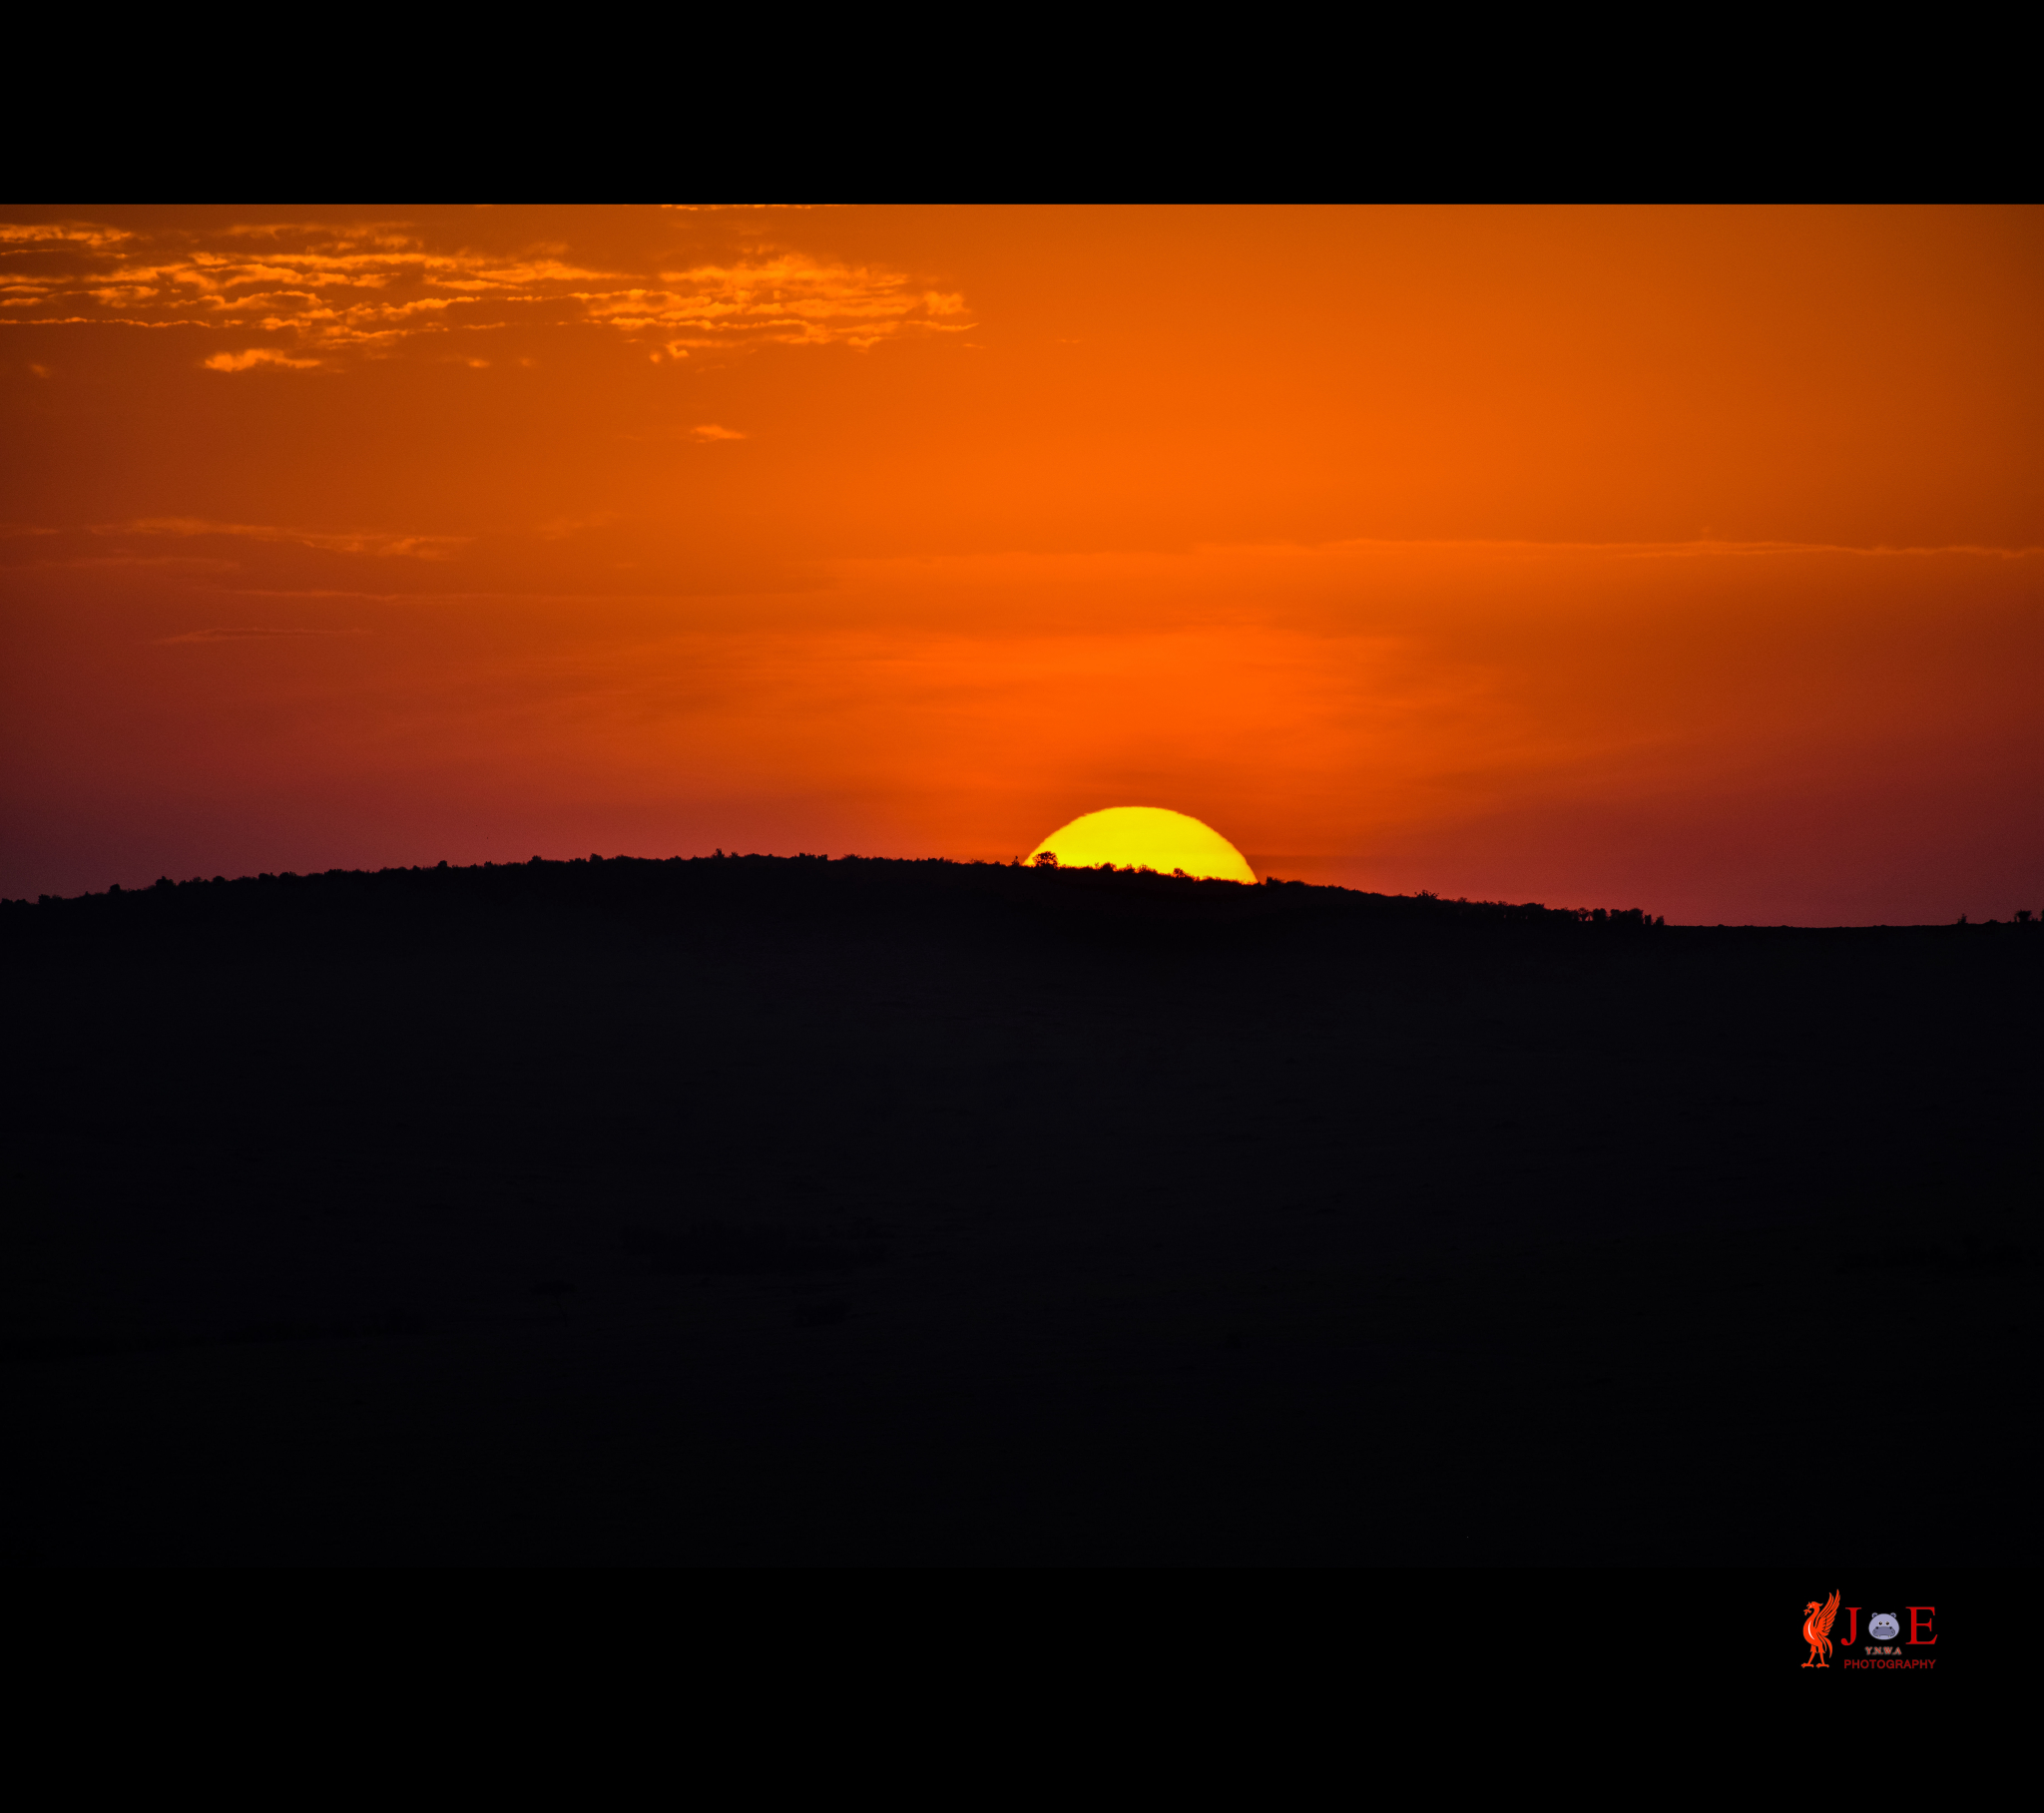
x,y
1146,837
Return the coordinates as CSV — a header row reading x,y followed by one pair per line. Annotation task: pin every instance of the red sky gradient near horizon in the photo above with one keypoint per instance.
x,y
1681,559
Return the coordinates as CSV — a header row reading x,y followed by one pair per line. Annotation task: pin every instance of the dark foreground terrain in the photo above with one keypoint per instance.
x,y
757,1211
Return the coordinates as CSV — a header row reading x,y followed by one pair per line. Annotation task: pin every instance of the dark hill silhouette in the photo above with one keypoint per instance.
x,y
774,1209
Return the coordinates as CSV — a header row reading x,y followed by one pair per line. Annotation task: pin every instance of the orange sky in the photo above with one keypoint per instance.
x,y
1681,559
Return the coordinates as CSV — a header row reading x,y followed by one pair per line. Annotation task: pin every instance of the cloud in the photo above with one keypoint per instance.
x,y
184,563
247,635
257,355
59,232
372,285
558,528
703,433
352,540
790,299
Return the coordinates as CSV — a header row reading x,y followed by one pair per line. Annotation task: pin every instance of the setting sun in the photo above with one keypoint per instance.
x,y
1146,837
533,1041
1688,556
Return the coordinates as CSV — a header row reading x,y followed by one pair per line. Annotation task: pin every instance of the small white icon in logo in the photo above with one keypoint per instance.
x,y
1882,1625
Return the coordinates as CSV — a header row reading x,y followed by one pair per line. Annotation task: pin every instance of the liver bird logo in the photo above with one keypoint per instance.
x,y
1817,1630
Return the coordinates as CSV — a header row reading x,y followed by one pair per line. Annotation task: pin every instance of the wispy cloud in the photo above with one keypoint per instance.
x,y
246,635
352,540
790,299
703,433
59,232
257,355
372,285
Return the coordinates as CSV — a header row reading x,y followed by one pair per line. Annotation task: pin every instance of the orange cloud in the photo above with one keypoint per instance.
x,y
416,547
59,232
244,635
257,355
372,285
790,299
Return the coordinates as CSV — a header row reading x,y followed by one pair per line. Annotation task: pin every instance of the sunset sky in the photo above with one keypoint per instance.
x,y
1688,559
